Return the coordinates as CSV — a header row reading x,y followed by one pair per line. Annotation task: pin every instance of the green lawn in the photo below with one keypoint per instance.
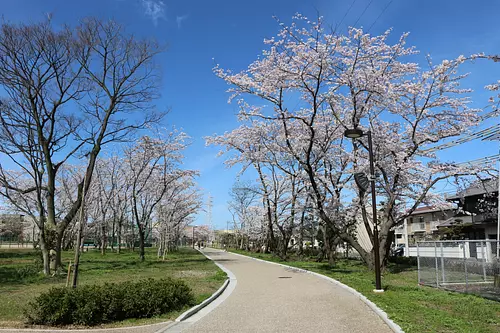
x,y
20,280
415,308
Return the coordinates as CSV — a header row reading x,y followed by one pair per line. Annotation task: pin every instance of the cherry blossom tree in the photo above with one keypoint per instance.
x,y
176,210
152,169
314,84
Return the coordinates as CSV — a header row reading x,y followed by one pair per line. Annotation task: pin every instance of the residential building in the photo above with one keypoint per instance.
x,y
477,213
422,224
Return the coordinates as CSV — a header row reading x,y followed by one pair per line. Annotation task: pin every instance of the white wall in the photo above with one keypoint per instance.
x,y
456,251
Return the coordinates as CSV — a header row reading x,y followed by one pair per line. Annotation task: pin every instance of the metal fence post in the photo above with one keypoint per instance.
x,y
443,276
436,262
418,264
465,267
484,261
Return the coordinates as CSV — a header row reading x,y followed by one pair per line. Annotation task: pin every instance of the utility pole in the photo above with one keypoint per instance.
x,y
495,136
498,209
227,234
210,222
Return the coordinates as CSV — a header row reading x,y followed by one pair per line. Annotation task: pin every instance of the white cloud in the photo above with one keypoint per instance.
x,y
179,20
155,9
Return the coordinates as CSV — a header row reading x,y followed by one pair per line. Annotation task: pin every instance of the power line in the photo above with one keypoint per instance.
x,y
480,161
379,15
489,133
347,12
363,13
491,114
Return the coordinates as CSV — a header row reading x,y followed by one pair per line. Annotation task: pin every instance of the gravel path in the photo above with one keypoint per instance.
x,y
270,298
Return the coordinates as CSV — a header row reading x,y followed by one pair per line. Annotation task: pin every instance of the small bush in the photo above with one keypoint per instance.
x,y
410,261
311,252
95,304
27,271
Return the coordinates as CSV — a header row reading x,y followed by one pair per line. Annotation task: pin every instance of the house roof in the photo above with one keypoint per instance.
x,y
428,209
477,188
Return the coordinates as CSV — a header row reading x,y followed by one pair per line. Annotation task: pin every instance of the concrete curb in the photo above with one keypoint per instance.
x,y
195,309
181,322
381,313
203,304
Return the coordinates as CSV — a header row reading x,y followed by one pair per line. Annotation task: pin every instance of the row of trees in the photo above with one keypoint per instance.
x,y
296,101
69,93
144,190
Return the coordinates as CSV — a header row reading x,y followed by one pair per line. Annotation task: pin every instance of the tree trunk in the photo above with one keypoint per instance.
x,y
133,239
496,281
161,244
113,235
58,249
300,250
118,248
45,255
103,239
142,254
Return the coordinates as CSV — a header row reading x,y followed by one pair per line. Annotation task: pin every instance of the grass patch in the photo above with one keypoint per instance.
x,y
415,308
20,280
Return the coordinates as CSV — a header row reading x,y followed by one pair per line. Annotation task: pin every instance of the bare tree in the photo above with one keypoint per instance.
x,y
40,73
46,72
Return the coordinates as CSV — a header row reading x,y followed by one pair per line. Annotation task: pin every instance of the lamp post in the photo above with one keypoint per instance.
x,y
356,134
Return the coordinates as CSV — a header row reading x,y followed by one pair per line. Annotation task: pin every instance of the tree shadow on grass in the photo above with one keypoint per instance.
x,y
90,265
395,268
338,269
8,275
16,275
17,255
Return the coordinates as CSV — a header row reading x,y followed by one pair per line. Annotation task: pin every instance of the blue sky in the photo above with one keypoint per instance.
x,y
231,32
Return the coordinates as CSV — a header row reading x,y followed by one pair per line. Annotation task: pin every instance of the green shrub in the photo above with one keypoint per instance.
x,y
410,261
95,304
27,271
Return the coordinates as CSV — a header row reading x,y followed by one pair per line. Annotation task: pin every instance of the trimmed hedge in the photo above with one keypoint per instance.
x,y
95,304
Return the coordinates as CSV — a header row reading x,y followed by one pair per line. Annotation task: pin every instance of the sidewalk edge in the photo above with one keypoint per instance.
x,y
197,308
185,315
381,313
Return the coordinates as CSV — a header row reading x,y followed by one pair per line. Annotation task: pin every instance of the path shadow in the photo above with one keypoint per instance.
x,y
224,260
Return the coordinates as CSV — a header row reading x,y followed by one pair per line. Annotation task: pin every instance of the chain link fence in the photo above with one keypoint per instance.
x,y
469,266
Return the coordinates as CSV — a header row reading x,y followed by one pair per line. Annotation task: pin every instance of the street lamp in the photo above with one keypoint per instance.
x,y
357,133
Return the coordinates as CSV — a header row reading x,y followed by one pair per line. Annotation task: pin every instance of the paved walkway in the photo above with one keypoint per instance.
x,y
268,298
271,298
